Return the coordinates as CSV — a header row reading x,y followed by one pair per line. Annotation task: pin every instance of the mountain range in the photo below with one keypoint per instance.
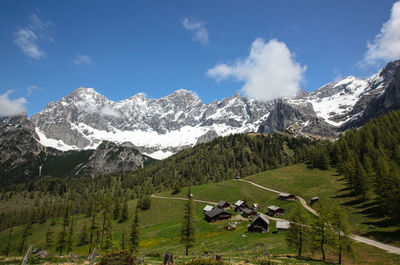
x,y
162,127
85,133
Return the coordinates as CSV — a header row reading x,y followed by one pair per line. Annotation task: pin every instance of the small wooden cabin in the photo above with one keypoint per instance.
x,y
216,214
287,196
282,225
246,212
275,210
313,200
239,205
259,224
223,204
208,208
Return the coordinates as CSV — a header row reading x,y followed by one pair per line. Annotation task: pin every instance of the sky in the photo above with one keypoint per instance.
x,y
259,49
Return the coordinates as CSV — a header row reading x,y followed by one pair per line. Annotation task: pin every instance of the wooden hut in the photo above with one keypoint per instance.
x,y
259,224
208,208
275,210
246,212
216,214
239,205
223,204
282,225
313,200
286,196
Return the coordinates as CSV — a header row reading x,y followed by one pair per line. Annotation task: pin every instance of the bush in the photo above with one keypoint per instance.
x,y
144,202
204,261
123,257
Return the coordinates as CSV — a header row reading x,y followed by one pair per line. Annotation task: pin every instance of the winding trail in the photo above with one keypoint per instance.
x,y
182,199
388,248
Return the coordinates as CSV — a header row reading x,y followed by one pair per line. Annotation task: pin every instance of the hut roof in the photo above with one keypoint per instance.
x,y
208,208
262,217
284,194
282,224
215,212
222,203
273,208
247,210
239,203
314,198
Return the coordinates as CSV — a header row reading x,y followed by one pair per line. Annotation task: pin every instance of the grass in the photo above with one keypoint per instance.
x,y
161,224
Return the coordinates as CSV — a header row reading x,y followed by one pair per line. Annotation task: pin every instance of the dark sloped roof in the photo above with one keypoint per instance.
x,y
247,210
222,203
215,212
262,217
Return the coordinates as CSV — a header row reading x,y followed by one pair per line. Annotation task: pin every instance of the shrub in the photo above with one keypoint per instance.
x,y
204,261
123,257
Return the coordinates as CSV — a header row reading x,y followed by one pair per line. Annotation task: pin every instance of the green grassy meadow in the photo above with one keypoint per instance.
x,y
161,224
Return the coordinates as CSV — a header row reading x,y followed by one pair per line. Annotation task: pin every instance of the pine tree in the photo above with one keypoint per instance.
x,y
106,224
69,239
323,235
341,226
83,238
93,228
25,233
49,237
123,240
117,209
8,246
188,229
62,236
134,236
124,212
298,236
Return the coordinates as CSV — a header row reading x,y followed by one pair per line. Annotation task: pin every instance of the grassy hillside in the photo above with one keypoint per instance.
x,y
160,225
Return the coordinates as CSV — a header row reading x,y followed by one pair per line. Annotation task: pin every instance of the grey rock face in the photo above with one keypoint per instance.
x,y
207,137
110,157
334,107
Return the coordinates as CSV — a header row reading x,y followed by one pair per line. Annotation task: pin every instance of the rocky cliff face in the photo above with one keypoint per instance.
x,y
161,127
20,152
23,157
110,157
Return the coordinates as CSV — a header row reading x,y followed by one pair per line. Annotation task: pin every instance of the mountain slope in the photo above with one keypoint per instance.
x,y
161,127
23,157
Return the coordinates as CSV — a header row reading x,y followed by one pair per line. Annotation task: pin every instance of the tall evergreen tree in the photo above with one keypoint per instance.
x,y
124,212
117,209
323,234
341,226
8,246
298,236
123,240
188,228
134,236
62,236
27,231
49,237
83,238
69,238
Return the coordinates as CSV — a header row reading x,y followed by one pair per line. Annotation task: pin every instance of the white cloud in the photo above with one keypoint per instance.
x,y
386,45
198,29
82,59
28,38
30,89
269,71
9,107
108,111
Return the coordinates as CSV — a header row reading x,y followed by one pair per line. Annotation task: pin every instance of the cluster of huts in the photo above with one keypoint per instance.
x,y
260,223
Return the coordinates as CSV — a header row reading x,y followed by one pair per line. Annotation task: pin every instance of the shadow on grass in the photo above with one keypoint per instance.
x,y
356,201
302,258
373,212
385,236
387,222
344,195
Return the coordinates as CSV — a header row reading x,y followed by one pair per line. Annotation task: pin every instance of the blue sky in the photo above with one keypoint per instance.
x,y
120,48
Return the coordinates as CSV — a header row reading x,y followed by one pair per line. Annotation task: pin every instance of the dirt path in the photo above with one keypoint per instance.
x,y
182,199
388,248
